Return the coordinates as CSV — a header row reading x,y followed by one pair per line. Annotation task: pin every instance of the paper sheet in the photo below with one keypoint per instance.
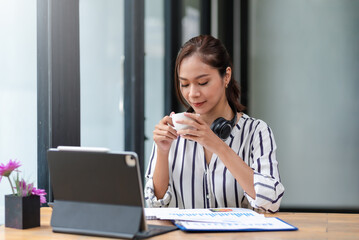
x,y
211,215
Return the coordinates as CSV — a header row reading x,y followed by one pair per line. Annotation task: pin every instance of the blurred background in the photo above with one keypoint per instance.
x,y
99,73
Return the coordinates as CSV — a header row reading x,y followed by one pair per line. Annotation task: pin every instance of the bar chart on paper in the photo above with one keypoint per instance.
x,y
225,219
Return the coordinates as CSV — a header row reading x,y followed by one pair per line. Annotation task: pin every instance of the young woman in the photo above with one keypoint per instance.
x,y
226,158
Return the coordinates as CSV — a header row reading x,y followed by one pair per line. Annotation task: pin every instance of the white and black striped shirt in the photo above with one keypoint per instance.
x,y
195,184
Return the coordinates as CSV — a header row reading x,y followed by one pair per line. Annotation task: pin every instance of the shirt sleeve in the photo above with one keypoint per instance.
x,y
150,198
267,184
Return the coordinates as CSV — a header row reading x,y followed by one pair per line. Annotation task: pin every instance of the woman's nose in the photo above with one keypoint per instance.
x,y
194,91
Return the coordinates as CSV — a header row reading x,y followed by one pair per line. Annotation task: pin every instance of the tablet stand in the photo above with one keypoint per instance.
x,y
110,220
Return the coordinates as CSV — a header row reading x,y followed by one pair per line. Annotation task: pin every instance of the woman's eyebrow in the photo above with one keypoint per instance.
x,y
197,77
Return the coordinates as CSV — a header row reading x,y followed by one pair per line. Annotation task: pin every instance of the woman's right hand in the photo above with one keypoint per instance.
x,y
164,133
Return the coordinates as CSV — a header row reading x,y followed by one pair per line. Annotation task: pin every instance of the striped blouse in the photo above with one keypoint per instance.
x,y
195,184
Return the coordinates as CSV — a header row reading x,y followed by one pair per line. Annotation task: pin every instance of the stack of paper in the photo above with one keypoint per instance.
x,y
218,219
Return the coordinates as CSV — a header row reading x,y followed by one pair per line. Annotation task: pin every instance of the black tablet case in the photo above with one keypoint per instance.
x,y
98,193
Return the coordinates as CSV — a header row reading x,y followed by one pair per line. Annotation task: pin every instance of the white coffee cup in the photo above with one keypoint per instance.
x,y
179,116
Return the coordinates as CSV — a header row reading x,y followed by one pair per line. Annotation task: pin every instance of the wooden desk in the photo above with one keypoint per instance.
x,y
311,226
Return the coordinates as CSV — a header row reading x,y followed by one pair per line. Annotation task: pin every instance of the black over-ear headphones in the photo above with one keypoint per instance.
x,y
222,127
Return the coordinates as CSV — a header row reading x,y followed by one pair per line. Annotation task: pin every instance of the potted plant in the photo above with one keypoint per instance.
x,y
22,207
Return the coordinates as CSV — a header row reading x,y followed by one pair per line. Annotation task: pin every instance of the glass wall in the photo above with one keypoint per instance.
x,y
191,19
18,90
154,70
102,78
304,82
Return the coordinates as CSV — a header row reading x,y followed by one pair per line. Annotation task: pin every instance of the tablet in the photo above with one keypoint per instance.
x,y
98,193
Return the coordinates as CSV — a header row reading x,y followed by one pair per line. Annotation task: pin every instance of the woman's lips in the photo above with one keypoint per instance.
x,y
198,104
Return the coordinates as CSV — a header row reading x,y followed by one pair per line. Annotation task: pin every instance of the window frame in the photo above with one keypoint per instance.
x,y
58,80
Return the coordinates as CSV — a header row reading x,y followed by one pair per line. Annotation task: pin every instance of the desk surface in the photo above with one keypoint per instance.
x,y
311,226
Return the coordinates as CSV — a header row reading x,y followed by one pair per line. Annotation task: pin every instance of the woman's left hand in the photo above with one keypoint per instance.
x,y
199,132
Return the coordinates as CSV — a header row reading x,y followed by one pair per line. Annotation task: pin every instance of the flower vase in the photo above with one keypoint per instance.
x,y
22,212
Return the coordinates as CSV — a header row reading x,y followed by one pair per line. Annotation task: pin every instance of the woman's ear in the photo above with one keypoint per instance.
x,y
227,77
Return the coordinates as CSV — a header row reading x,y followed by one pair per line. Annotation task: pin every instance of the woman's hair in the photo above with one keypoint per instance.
x,y
213,53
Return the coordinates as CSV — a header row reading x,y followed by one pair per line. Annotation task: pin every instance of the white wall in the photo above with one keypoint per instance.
x,y
18,93
304,81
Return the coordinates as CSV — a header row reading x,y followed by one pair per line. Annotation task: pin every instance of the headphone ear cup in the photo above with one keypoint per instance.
x,y
216,125
222,128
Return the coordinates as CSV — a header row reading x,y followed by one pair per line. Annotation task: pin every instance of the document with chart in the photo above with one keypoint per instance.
x,y
222,219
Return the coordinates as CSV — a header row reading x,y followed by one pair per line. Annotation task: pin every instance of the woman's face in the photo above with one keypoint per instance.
x,y
202,86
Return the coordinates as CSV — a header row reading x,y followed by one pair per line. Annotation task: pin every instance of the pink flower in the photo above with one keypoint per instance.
x,y
24,189
6,170
41,193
